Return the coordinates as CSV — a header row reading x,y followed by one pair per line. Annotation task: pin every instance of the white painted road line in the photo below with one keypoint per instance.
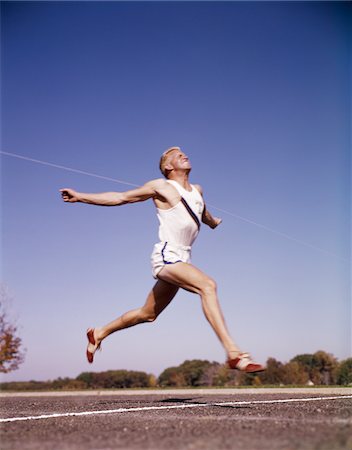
x,y
183,406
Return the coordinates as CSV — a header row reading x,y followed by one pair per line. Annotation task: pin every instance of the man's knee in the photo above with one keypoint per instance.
x,y
147,315
208,286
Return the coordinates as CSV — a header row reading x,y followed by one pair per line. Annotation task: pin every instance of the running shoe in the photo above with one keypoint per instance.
x,y
244,362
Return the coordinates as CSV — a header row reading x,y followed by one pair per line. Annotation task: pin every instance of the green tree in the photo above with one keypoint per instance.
x,y
86,377
11,349
224,376
189,373
210,375
294,373
73,385
327,366
193,371
344,372
172,376
152,381
114,379
320,366
273,373
60,383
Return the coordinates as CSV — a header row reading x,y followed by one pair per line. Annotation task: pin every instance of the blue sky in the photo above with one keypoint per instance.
x,y
257,94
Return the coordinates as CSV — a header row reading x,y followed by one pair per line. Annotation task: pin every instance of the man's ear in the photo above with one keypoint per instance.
x,y
168,167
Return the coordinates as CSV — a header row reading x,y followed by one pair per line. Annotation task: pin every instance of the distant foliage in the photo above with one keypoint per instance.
x,y
190,373
172,377
26,386
344,372
111,379
114,379
11,350
274,372
320,368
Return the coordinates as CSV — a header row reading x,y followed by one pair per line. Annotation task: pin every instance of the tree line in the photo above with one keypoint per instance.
x,y
320,368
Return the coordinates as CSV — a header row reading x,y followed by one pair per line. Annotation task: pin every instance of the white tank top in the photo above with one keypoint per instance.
x,y
176,224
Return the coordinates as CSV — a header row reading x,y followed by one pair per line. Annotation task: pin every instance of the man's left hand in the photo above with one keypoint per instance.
x,y
217,221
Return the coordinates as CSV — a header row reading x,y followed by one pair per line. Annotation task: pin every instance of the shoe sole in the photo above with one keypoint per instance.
x,y
91,340
254,370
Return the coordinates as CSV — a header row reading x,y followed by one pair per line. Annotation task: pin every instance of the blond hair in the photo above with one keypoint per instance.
x,y
164,158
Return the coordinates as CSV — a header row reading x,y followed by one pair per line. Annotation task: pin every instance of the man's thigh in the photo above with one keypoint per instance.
x,y
160,296
185,276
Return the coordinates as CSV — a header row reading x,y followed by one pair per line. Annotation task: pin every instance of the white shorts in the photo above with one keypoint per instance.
x,y
165,253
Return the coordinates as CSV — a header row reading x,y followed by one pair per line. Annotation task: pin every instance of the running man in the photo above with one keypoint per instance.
x,y
180,209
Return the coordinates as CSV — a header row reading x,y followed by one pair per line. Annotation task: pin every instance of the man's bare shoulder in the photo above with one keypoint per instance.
x,y
199,188
157,184
163,191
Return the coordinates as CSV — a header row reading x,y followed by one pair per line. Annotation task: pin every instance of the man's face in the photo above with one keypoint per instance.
x,y
179,160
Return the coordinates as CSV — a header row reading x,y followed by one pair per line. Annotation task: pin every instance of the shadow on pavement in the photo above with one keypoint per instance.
x,y
191,400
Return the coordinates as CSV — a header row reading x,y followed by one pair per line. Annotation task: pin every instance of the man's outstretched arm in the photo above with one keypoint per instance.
x,y
207,218
111,198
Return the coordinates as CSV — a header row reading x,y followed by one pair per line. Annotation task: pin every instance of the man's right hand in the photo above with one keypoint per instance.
x,y
69,195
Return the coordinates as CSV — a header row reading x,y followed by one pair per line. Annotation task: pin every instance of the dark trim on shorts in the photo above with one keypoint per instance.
x,y
164,260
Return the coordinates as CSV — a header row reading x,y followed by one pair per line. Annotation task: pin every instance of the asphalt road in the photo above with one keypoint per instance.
x,y
182,420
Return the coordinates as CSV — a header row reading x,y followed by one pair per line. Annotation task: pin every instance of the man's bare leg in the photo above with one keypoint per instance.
x,y
192,279
158,299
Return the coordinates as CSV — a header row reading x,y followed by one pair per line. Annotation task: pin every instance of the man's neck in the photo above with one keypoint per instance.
x,y
181,178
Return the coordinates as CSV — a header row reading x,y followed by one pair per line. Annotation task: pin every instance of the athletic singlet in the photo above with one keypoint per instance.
x,y
176,224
